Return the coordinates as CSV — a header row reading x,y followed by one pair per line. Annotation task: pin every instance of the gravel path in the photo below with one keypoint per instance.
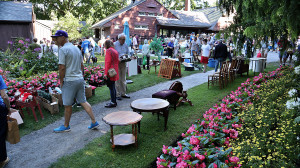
x,y
41,148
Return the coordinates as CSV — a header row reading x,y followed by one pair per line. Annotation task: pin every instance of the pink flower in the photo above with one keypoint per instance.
x,y
191,129
182,164
215,165
194,140
212,133
179,159
174,152
226,131
203,165
165,149
200,157
236,125
186,155
159,160
234,159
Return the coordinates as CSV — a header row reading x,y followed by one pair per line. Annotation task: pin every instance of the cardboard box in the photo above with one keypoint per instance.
x,y
52,106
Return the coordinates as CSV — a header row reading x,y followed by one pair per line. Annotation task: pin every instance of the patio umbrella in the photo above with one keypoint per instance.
x,y
126,32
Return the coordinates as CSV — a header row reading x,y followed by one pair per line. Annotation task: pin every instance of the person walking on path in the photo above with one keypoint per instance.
x,y
71,71
111,61
85,48
205,52
122,49
4,111
220,54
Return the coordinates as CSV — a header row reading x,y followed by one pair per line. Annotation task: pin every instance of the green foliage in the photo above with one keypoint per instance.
x,y
22,61
86,31
180,4
70,24
156,46
80,9
269,135
257,19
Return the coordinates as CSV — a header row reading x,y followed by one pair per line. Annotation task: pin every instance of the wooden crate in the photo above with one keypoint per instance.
x,y
59,98
52,107
88,92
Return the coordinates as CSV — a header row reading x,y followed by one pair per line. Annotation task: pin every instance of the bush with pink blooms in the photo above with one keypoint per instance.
x,y
207,143
93,75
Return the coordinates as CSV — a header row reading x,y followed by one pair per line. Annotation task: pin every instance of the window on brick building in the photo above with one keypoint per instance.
x,y
142,13
159,15
151,14
117,26
141,27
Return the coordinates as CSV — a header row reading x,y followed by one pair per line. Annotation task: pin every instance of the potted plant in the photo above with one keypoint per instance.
x,y
156,46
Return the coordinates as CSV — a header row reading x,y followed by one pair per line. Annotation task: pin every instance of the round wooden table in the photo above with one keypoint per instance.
x,y
153,105
123,118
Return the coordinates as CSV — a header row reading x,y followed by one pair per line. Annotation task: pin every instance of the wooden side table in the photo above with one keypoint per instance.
x,y
123,118
155,63
153,105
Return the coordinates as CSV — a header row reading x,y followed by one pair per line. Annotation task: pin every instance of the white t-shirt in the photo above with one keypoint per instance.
x,y
70,56
205,50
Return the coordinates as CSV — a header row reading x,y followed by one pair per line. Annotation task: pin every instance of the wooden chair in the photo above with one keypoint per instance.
x,y
231,70
225,72
217,77
235,69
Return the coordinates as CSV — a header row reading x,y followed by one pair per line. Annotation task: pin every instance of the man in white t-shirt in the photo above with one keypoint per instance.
x,y
205,53
72,83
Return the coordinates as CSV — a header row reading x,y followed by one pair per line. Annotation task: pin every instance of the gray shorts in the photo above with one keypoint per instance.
x,y
73,90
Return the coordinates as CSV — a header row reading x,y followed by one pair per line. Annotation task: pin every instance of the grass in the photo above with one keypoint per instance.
x,y
98,153
101,94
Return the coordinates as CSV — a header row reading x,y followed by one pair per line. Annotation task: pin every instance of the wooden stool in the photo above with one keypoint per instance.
x,y
32,104
184,99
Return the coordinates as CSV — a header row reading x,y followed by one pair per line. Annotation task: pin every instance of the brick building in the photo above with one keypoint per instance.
x,y
149,17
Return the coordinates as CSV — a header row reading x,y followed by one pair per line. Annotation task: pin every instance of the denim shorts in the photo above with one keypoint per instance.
x,y
282,54
73,90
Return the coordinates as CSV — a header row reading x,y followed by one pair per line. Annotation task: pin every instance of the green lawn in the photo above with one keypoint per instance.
x,y
98,153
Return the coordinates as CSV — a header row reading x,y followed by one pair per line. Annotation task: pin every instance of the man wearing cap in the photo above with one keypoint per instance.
x,y
71,71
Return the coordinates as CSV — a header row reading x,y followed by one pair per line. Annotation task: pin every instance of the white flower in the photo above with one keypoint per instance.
x,y
292,92
297,70
291,104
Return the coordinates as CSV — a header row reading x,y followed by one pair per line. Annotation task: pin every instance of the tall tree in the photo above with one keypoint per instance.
x,y
180,4
70,24
257,19
81,9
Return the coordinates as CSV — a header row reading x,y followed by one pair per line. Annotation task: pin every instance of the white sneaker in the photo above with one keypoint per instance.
x,y
2,164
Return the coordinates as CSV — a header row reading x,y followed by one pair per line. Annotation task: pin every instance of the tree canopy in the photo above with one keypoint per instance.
x,y
260,18
180,4
81,9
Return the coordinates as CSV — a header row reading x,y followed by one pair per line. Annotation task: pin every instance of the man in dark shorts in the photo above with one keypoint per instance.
x,y
71,71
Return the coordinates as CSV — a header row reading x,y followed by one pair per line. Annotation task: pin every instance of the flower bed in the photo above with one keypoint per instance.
x,y
94,76
207,143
